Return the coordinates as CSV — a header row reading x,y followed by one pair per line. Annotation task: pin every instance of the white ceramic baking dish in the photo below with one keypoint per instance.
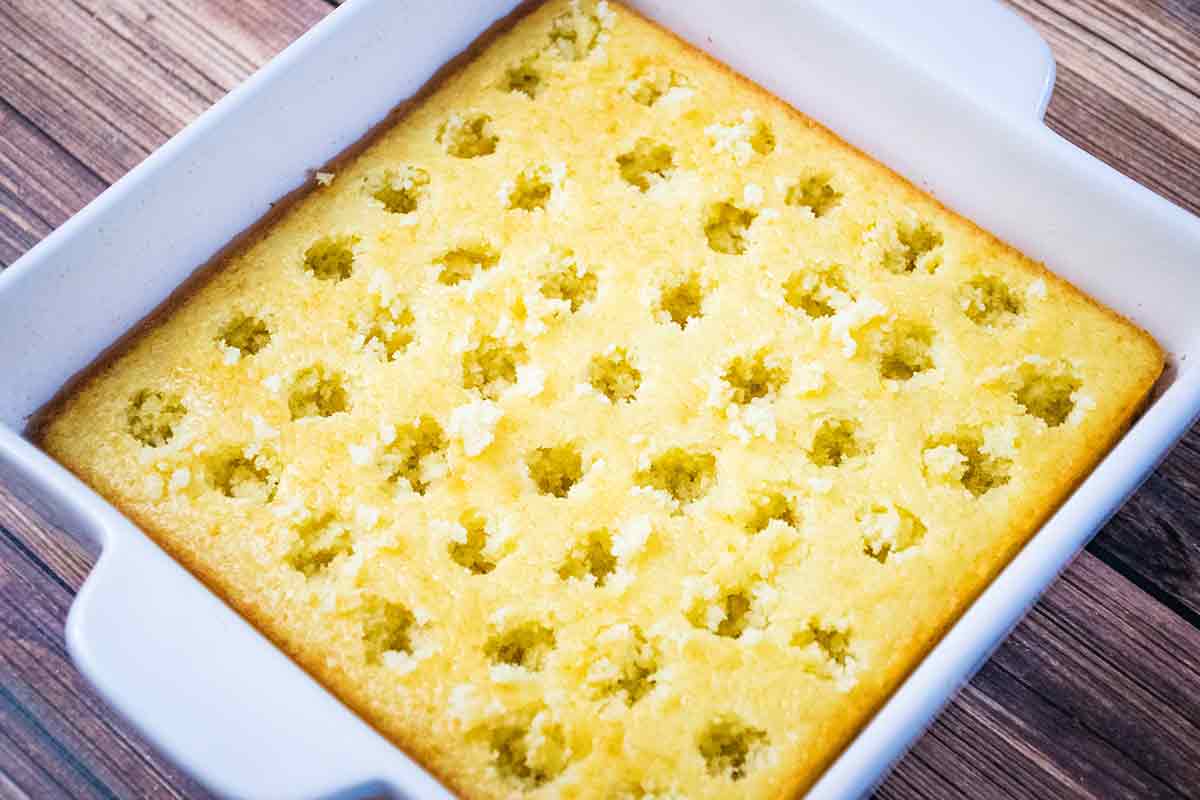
x,y
949,93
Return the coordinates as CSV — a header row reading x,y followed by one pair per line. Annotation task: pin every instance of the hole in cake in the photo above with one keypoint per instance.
x,y
152,416
647,163
491,367
529,755
728,745
532,189
637,678
468,135
571,283
245,333
555,470
908,351
769,507
742,137
526,645
331,258
888,530
959,458
754,377
592,557
507,743
635,664
818,293
415,455
652,83
463,262
987,301
319,542
614,376
386,331
575,33
399,190
762,138
386,628
726,226
816,193
832,641
727,615
233,474
836,442
916,252
523,77
317,392
1047,391
685,475
682,301
469,552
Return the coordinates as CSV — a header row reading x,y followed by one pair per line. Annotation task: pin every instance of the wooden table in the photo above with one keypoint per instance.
x,y
1096,694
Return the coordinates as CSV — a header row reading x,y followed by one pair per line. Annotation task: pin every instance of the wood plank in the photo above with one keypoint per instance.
x,y
1095,695
1157,43
110,80
55,728
66,100
1117,50
41,184
64,557
1155,539
1023,754
92,86
1127,671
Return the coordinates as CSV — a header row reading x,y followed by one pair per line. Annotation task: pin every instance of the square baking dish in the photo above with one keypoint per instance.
x,y
954,105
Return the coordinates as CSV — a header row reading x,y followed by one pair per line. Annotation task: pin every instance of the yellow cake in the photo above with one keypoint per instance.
x,y
606,427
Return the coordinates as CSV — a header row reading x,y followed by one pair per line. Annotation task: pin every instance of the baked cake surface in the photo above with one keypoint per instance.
x,y
607,428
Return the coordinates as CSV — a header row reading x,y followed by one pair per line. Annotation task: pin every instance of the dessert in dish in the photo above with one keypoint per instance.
x,y
606,427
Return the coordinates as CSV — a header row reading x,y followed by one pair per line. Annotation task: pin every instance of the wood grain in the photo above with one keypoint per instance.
x,y
1095,695
1092,696
56,738
41,184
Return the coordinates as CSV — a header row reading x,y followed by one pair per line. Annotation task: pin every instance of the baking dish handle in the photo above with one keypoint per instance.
x,y
984,49
160,647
